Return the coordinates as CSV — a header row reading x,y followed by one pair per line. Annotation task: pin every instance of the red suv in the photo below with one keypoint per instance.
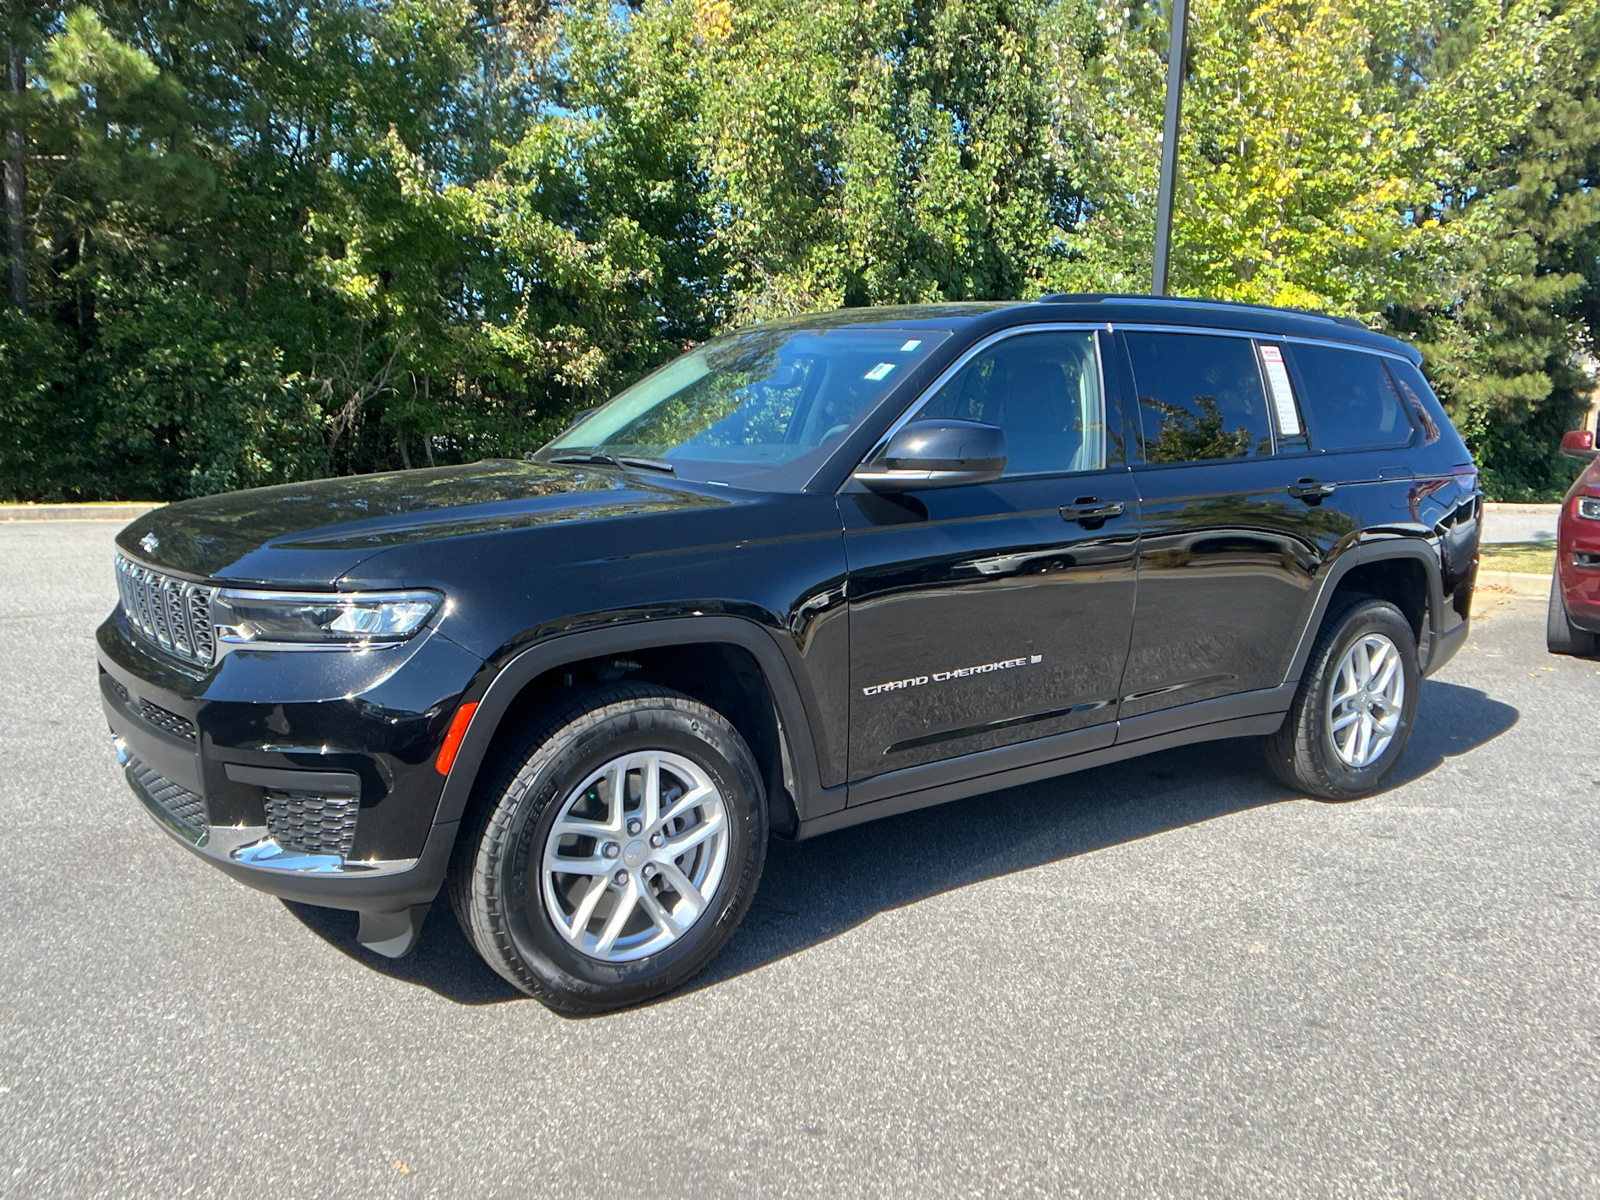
x,y
1573,626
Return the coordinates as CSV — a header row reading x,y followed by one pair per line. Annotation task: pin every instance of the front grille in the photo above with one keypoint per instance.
x,y
171,612
170,721
179,803
313,824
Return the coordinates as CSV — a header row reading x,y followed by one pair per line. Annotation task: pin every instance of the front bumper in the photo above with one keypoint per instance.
x,y
251,855
326,799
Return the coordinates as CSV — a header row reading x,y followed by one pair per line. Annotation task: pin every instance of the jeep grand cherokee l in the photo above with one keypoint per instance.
x,y
806,575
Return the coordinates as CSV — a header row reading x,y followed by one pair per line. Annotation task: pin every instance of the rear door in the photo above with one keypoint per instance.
x,y
987,615
1236,521
1361,427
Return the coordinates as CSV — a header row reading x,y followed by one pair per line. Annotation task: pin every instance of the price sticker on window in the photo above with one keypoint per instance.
x,y
1282,392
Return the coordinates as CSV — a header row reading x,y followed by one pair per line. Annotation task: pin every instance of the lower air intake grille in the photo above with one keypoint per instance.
x,y
181,804
313,824
170,721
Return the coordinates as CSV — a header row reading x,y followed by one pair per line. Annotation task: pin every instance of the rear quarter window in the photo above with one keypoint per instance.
x,y
1351,399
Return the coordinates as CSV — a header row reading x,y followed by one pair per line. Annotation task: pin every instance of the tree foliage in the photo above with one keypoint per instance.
x,y
253,242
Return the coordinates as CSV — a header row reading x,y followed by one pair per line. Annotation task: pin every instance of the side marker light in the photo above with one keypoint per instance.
x,y
452,740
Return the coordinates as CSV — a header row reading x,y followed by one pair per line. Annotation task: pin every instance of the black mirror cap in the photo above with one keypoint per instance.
x,y
938,453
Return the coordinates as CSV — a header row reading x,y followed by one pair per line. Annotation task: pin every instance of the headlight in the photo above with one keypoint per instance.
x,y
347,620
1589,508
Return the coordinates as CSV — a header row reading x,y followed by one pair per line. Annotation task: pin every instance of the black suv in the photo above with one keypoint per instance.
x,y
806,575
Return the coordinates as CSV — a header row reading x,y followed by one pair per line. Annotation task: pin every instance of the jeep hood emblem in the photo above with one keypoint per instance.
x,y
149,542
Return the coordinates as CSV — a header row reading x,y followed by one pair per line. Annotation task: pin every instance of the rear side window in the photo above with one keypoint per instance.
x,y
1200,397
1413,387
1353,402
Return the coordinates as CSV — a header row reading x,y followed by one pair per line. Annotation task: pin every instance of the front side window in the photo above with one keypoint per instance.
x,y
1200,397
763,407
1353,403
1043,389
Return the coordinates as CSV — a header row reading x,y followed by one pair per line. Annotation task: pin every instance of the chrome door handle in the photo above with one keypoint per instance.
x,y
1311,491
1091,508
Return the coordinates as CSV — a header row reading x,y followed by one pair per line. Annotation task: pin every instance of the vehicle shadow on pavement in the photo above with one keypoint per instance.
x,y
815,890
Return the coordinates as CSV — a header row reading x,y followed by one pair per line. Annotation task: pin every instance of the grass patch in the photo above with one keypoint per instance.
x,y
1526,558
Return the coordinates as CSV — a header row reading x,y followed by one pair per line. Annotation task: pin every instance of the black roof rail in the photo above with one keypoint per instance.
x,y
1116,298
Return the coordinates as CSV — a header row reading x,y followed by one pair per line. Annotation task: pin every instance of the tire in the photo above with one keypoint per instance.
x,y
540,928
1561,636
1305,753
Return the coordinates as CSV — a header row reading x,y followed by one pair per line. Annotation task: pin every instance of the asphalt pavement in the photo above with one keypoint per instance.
x,y
1169,977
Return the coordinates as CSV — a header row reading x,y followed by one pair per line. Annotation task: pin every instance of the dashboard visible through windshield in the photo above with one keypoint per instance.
x,y
761,407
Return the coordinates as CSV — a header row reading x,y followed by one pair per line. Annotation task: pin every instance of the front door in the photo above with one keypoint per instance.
x,y
987,615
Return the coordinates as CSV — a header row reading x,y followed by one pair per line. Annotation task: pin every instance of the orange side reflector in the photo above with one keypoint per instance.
x,y
452,740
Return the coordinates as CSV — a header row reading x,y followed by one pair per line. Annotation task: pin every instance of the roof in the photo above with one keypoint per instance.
x,y
1099,307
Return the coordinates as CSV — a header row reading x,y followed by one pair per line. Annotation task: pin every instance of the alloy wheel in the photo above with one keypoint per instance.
x,y
1366,700
634,856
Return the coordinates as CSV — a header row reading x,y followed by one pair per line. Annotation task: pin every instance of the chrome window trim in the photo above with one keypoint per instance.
x,y
1331,343
978,347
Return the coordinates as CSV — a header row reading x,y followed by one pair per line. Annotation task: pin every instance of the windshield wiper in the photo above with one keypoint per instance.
x,y
614,460
649,464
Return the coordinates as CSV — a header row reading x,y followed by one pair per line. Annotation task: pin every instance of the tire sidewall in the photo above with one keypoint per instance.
x,y
1373,617
536,797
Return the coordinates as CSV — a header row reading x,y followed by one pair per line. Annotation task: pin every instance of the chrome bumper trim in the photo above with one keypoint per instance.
x,y
252,847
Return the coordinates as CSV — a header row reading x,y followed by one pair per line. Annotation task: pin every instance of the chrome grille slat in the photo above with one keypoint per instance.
x,y
170,612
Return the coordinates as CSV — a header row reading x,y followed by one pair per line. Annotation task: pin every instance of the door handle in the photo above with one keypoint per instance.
x,y
1091,511
1311,491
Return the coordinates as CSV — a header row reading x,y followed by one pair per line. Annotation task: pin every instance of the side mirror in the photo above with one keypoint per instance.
x,y
937,454
1579,443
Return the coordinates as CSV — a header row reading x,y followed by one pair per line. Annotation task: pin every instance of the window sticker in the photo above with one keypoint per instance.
x,y
881,371
1282,392
910,346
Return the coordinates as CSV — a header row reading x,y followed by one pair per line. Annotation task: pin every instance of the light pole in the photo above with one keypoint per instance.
x,y
1169,145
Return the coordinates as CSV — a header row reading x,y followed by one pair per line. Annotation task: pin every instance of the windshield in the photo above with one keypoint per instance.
x,y
763,407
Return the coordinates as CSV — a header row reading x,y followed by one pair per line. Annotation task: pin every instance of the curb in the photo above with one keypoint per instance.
x,y
114,511
1516,583
1525,510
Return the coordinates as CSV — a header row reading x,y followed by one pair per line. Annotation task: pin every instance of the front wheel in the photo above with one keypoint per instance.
x,y
612,850
1561,636
1353,712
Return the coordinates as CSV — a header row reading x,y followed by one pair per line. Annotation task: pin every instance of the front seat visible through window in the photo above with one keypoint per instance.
x,y
1044,391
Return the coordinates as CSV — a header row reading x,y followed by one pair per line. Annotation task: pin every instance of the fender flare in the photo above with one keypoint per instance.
x,y
1387,549
794,725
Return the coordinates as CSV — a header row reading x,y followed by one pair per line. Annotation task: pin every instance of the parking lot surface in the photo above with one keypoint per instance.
x,y
1168,977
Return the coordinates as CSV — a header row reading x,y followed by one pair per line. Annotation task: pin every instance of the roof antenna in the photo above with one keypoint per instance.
x,y
1169,145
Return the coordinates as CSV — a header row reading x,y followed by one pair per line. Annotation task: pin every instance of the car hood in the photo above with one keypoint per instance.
x,y
315,533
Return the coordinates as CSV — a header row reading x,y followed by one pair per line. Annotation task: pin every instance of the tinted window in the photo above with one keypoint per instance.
x,y
1353,401
1200,397
1043,389
1413,387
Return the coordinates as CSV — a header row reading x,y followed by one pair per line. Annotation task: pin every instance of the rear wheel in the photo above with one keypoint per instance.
x,y
1355,706
613,849
1561,636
